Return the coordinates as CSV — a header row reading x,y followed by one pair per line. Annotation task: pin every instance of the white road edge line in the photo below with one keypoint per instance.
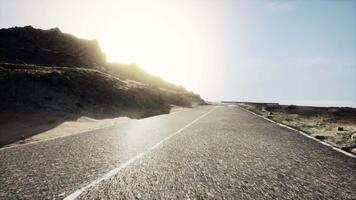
x,y
115,171
303,133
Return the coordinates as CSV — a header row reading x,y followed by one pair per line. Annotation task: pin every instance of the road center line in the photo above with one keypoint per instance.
x,y
113,172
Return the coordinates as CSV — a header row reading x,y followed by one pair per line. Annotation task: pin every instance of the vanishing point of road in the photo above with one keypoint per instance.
x,y
209,152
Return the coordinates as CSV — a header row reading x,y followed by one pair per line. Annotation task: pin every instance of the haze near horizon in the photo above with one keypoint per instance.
x,y
293,52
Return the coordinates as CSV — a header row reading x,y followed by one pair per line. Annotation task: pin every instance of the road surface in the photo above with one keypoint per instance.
x,y
210,152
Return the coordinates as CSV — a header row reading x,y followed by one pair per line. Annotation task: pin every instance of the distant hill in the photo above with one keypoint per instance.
x,y
48,77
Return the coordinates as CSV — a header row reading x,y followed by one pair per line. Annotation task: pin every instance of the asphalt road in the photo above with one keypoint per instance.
x,y
211,152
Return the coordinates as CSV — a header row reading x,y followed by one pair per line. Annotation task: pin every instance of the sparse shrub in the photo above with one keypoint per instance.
x,y
320,137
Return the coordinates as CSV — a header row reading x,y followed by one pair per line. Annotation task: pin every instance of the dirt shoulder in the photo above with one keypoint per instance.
x,y
333,125
80,125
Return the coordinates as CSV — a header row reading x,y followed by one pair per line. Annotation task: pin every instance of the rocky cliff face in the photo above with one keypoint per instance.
x,y
27,45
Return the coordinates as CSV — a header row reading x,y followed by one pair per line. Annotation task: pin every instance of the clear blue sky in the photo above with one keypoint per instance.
x,y
300,52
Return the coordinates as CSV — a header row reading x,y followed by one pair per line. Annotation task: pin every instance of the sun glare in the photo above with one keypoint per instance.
x,y
155,44
167,39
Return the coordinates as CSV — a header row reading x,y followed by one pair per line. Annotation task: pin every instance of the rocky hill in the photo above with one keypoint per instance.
x,y
48,77
52,48
27,45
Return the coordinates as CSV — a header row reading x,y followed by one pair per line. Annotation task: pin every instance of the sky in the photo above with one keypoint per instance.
x,y
291,52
